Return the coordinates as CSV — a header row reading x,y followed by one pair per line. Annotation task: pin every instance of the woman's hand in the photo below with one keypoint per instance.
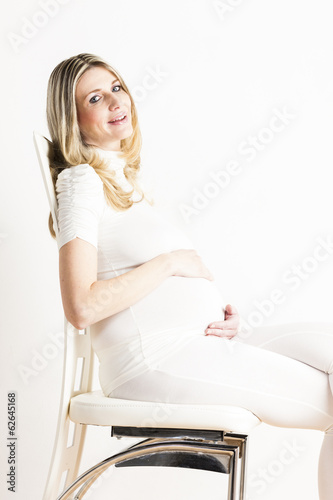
x,y
226,328
187,263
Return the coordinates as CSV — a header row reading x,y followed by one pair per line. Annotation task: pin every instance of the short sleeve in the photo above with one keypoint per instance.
x,y
81,203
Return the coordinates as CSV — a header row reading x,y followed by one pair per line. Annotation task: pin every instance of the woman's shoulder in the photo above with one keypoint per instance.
x,y
83,170
79,177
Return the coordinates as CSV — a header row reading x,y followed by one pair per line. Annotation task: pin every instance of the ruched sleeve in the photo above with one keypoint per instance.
x,y
81,203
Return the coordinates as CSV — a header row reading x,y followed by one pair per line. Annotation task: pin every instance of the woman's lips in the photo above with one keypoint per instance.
x,y
119,122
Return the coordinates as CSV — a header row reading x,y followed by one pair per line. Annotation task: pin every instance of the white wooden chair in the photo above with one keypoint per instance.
x,y
206,437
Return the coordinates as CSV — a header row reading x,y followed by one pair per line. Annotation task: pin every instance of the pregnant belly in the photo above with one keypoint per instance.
x,y
139,337
179,303
178,308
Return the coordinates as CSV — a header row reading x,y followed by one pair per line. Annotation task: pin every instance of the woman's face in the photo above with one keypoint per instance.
x,y
99,100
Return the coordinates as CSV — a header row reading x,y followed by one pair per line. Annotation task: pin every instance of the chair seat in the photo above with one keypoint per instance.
x,y
93,408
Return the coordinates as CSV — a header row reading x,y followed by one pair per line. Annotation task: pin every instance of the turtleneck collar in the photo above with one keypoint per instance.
x,y
115,161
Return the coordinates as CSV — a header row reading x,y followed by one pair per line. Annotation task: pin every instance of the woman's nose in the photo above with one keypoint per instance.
x,y
114,103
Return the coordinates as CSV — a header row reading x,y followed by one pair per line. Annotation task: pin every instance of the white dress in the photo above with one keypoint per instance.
x,y
139,337
157,349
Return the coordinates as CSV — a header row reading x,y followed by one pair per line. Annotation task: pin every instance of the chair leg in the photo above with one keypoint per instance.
x,y
165,459
240,440
234,439
86,480
233,476
242,493
87,485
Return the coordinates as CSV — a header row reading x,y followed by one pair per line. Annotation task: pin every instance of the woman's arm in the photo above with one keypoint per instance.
x,y
86,300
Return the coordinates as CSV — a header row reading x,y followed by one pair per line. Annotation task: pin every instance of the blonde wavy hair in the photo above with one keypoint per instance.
x,y
68,147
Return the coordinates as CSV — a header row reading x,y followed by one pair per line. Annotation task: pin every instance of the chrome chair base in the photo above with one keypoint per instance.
x,y
215,451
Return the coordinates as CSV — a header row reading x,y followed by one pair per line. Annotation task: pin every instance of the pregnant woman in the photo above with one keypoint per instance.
x,y
159,325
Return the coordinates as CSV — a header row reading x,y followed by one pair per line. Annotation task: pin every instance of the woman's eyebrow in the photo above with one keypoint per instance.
x,y
97,90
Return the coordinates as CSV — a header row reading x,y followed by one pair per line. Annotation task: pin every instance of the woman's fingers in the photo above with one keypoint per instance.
x,y
221,333
228,330
230,310
226,324
228,327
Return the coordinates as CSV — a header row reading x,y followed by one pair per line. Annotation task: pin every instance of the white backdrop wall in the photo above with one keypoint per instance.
x,y
208,77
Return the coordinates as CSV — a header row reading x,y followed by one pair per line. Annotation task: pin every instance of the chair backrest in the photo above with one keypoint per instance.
x,y
77,369
42,149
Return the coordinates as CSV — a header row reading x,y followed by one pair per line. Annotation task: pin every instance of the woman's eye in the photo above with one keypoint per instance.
x,y
97,98
92,100
120,87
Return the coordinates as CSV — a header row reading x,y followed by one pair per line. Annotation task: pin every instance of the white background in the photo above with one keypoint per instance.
x,y
225,70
